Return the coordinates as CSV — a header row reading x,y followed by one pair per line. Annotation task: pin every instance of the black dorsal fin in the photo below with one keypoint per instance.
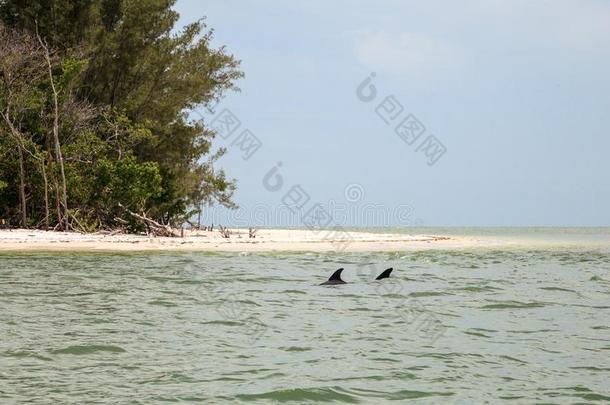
x,y
385,274
336,275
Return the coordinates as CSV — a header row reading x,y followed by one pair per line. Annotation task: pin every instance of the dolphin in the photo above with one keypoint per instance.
x,y
335,278
385,274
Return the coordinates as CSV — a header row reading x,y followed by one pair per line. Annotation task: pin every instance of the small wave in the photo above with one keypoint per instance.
x,y
21,354
296,349
526,331
192,282
408,394
400,395
393,295
476,334
510,397
514,359
162,303
448,355
303,394
363,309
592,368
386,359
594,397
295,292
549,350
586,394
485,330
222,322
557,289
377,377
428,293
88,349
484,288
514,305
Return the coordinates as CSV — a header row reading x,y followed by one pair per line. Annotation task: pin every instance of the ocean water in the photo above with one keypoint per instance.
x,y
525,324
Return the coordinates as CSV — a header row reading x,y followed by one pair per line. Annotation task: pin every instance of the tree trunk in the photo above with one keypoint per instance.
x,y
55,187
199,217
53,179
60,160
46,195
58,154
24,215
19,138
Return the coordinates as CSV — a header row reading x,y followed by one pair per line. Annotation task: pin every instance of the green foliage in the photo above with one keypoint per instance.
x,y
127,182
53,17
125,79
71,70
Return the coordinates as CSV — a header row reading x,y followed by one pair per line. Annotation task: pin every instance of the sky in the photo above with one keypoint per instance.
x,y
480,112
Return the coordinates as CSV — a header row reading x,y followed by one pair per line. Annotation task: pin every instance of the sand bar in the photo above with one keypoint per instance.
x,y
266,240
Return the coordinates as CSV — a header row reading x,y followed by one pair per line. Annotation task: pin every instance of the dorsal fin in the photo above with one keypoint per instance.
x,y
385,274
336,275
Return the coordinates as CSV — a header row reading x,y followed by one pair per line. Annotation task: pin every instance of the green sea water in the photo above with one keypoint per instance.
x,y
525,324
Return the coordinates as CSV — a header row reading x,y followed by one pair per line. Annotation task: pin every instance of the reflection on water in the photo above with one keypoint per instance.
x,y
449,327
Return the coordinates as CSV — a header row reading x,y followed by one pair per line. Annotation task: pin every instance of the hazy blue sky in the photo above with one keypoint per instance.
x,y
517,92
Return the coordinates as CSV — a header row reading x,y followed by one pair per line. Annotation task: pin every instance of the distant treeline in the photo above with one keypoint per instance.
x,y
94,131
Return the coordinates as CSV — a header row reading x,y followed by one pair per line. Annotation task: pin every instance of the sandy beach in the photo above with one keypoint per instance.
x,y
266,240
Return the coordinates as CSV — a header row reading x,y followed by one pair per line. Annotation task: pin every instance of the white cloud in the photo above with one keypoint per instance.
x,y
408,53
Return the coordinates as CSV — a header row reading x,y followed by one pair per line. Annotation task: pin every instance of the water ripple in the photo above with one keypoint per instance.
x,y
452,327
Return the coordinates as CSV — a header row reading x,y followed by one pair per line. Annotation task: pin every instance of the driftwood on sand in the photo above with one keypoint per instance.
x,y
153,226
226,233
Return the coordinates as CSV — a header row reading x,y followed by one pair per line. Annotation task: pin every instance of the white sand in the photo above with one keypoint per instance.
x,y
267,240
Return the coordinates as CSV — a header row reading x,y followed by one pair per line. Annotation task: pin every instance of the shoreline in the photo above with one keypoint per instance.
x,y
267,240
290,240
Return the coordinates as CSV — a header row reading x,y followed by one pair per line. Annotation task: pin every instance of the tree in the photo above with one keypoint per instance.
x,y
20,72
118,83
58,154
